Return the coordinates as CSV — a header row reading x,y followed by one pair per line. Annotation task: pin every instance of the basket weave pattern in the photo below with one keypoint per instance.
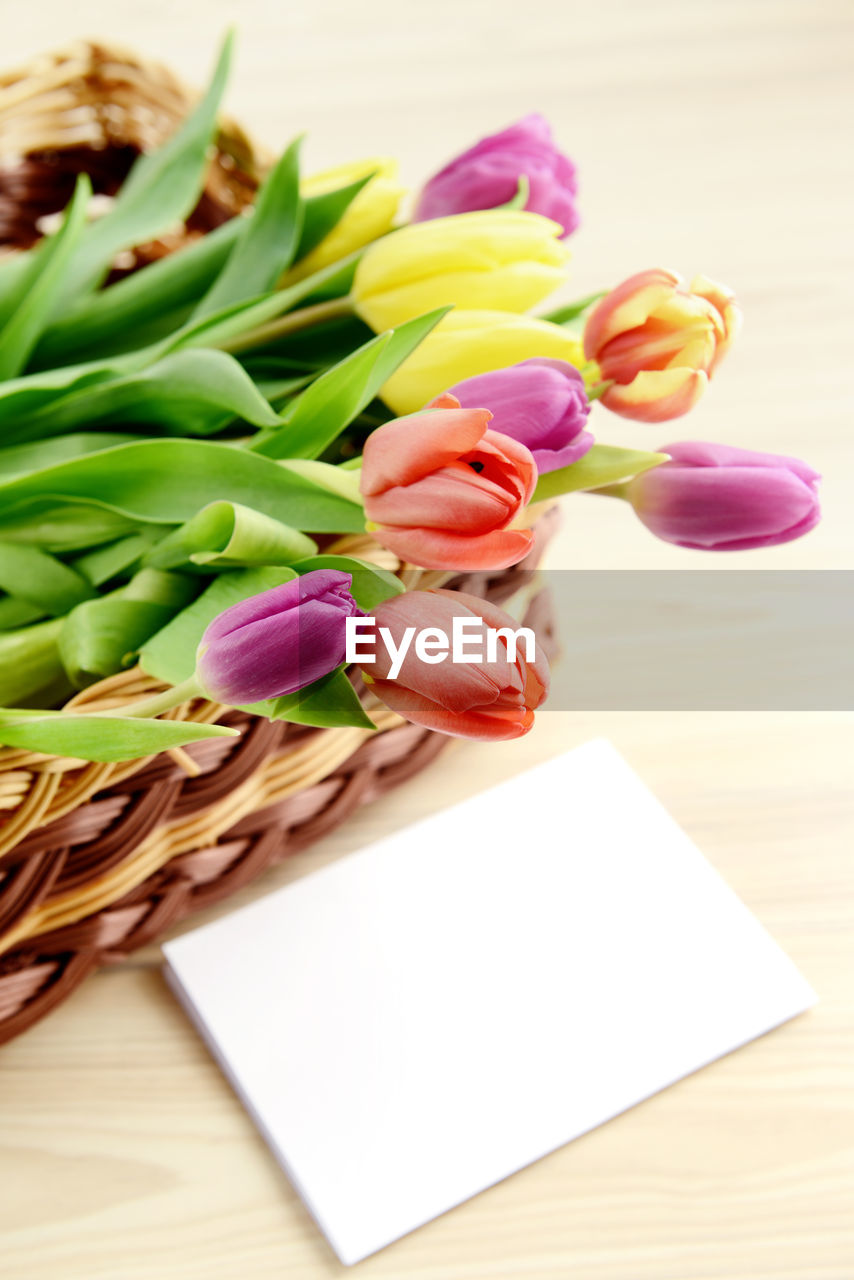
x,y
99,859
93,108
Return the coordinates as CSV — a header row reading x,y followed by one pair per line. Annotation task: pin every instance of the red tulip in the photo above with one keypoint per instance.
x,y
483,699
440,489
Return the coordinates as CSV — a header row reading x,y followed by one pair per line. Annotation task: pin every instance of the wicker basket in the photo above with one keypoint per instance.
x,y
93,108
96,859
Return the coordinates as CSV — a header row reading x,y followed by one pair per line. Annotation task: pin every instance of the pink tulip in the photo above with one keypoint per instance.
x,y
659,342
541,403
714,497
440,490
487,175
277,642
485,700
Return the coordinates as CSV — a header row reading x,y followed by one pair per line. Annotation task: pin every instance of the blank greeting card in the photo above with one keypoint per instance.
x,y
423,1018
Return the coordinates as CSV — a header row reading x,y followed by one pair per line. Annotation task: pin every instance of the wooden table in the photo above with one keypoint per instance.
x,y
715,138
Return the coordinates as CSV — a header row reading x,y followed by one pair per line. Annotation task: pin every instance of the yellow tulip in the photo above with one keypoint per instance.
x,y
369,216
495,259
465,343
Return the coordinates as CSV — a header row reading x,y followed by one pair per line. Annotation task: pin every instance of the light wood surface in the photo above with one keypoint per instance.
x,y
711,137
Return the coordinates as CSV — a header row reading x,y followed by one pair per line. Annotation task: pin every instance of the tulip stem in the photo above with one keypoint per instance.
x,y
293,322
597,391
165,701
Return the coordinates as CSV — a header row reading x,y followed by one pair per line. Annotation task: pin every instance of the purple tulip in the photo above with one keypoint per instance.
x,y
487,175
541,403
277,642
714,497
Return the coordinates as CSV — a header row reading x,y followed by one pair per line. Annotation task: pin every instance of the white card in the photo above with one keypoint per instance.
x,y
420,1019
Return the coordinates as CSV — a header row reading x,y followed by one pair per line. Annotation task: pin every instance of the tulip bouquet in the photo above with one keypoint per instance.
x,y
215,465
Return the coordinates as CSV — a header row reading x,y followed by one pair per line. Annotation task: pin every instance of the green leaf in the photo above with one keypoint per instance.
x,y
103,738
170,655
231,327
520,199
604,464
190,393
58,526
334,281
268,240
228,534
21,459
39,286
310,350
325,408
29,661
40,579
331,478
113,558
574,314
329,702
20,397
103,636
340,394
371,584
168,481
112,319
279,390
323,212
162,188
17,613
14,268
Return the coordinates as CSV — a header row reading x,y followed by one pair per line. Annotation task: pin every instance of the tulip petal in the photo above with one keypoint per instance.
x,y
699,453
541,403
486,175
492,614
369,215
553,459
657,396
656,346
455,497
516,287
456,686
447,401
502,258
628,306
728,508
478,699
276,601
440,549
407,449
522,470
491,725
274,655
466,343
724,302
536,673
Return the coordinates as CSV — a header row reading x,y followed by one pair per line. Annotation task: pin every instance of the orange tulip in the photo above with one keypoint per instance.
x,y
659,342
440,490
485,699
